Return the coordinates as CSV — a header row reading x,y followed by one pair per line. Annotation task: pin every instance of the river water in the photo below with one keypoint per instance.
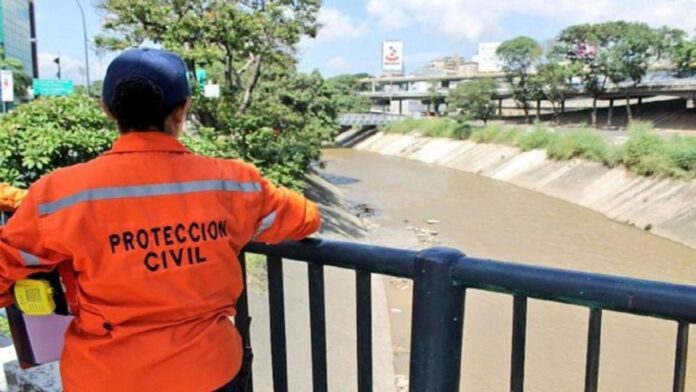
x,y
491,219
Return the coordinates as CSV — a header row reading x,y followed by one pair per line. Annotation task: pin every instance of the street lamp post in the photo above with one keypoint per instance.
x,y
84,32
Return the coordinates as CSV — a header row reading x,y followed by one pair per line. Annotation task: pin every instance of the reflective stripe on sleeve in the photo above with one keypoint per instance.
x,y
29,259
266,223
136,191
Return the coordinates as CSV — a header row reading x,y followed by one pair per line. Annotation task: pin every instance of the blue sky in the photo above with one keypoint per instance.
x,y
350,40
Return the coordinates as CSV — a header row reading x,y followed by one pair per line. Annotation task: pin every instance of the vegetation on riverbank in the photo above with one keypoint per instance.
x,y
643,153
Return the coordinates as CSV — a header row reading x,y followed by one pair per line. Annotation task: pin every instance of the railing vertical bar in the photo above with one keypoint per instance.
x,y
363,290
277,309
438,313
519,337
317,316
594,338
243,322
680,360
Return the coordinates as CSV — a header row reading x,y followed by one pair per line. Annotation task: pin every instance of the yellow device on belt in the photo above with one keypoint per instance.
x,y
34,297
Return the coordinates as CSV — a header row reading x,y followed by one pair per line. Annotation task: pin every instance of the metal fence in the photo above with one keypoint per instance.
x,y
441,277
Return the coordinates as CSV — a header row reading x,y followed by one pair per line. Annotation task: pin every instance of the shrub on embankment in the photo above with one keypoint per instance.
x,y
644,152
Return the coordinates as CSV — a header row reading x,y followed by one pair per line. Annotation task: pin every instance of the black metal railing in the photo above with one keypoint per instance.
x,y
441,277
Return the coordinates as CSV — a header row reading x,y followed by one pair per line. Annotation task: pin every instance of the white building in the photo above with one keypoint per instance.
x,y
486,58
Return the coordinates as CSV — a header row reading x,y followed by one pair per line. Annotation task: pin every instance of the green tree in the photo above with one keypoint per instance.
x,y
433,99
555,80
345,89
635,46
520,56
22,81
473,100
684,58
587,46
244,36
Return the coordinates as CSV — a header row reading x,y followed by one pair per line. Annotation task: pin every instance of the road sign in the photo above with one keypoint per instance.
x,y
53,87
7,83
212,91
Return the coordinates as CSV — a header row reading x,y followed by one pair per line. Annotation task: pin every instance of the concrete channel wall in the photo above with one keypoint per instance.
x,y
666,207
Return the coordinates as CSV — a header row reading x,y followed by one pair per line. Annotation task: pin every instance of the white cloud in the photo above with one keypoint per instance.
x,y
470,20
337,65
336,27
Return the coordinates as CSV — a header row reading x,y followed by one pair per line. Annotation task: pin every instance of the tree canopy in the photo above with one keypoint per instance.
x,y
473,100
520,56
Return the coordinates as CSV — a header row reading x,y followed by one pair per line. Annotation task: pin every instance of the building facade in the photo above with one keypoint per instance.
x,y
486,58
16,32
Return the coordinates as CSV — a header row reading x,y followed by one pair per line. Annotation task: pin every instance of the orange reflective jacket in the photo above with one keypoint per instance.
x,y
153,233
10,197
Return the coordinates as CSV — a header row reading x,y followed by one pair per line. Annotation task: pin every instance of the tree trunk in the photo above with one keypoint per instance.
x,y
538,110
594,111
526,113
249,93
629,114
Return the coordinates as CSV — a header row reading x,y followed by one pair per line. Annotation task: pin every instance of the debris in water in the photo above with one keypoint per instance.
x,y
432,221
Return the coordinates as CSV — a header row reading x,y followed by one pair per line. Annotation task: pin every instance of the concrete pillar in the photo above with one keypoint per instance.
x,y
563,106
374,86
401,107
500,108
538,112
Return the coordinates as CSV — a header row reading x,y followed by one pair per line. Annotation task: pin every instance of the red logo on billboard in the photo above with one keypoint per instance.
x,y
392,54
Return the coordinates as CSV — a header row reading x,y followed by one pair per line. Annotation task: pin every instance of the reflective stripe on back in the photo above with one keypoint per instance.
x,y
176,188
266,223
29,259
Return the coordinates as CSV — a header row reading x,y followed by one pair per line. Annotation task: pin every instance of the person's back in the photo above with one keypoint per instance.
x,y
152,232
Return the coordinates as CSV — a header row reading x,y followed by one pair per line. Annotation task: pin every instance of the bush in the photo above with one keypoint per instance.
x,y
539,138
49,133
583,144
431,127
495,133
682,153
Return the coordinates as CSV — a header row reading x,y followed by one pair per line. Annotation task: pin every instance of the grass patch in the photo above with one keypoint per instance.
x,y
644,153
431,127
496,133
539,138
584,144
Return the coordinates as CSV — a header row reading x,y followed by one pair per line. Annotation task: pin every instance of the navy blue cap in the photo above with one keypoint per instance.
x,y
165,70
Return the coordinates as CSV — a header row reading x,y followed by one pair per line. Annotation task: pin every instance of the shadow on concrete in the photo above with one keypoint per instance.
x,y
337,220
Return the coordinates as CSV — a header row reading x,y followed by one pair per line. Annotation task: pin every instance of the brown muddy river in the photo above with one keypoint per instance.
x,y
487,218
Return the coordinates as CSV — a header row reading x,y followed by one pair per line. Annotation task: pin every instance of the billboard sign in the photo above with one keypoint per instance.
x,y
7,85
393,56
53,87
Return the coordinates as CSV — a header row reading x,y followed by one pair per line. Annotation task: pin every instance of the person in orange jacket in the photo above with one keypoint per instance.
x,y
152,232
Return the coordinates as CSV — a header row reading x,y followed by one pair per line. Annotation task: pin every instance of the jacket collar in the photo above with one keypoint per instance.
x,y
152,141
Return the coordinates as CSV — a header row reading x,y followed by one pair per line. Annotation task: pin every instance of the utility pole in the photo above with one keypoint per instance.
x,y
84,33
57,61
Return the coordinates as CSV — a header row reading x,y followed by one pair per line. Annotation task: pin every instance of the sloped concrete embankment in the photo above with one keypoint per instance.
x,y
666,207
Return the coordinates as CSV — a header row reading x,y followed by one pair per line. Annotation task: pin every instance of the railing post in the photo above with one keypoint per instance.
x,y
437,320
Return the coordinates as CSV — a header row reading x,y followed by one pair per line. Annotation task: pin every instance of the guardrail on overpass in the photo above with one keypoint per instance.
x,y
441,278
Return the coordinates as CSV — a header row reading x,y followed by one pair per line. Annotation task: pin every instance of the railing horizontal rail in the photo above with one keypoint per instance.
x,y
361,257
636,296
